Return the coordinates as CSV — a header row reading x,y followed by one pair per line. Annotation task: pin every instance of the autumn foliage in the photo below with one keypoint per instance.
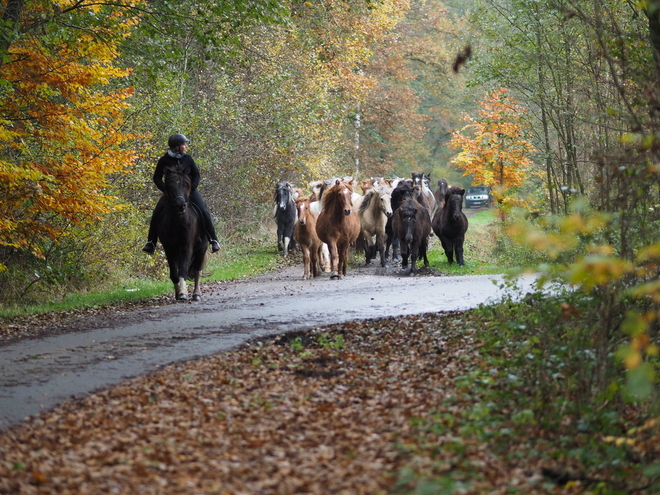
x,y
61,130
494,148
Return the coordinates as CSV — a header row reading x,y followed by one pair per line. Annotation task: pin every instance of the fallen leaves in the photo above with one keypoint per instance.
x,y
370,407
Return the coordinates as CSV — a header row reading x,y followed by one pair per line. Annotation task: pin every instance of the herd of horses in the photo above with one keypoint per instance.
x,y
394,213
390,213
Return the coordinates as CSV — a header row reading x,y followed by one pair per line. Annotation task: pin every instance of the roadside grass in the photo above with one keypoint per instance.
x,y
480,240
240,259
231,263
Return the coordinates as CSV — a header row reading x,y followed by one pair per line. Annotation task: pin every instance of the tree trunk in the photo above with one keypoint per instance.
x,y
10,20
653,14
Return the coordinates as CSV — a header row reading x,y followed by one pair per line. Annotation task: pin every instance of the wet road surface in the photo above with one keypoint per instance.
x,y
37,374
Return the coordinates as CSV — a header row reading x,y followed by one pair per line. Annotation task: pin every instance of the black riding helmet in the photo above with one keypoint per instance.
x,y
177,140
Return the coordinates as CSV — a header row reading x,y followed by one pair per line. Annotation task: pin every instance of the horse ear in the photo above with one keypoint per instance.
x,y
337,181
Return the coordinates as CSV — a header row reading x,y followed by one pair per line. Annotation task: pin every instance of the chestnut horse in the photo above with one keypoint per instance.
x,y
450,224
306,237
338,225
181,232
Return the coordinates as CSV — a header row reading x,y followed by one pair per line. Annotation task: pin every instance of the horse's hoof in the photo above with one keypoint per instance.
x,y
182,297
335,276
197,297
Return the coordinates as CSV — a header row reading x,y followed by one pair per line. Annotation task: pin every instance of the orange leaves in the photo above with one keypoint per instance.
x,y
62,128
494,147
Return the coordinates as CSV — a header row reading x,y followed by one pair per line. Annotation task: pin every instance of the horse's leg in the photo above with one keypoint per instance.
x,y
306,260
423,250
459,250
326,263
181,289
404,255
342,250
280,236
449,249
395,249
315,255
334,259
380,247
368,247
285,250
414,251
175,275
197,292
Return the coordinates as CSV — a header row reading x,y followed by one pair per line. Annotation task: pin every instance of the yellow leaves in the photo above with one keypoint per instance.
x,y
596,270
61,129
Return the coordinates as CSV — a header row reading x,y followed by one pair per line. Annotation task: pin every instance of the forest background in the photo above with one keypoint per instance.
x,y
554,103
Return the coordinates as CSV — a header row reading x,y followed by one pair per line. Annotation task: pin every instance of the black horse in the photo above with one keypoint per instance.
x,y
402,190
181,232
411,224
286,216
450,224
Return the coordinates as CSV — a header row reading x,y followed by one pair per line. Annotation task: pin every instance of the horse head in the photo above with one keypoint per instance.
x,y
408,212
454,202
385,199
302,205
177,188
402,190
283,194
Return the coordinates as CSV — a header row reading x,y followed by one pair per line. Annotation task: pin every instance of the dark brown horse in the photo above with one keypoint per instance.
x,y
450,224
306,237
440,192
400,192
181,232
338,225
411,224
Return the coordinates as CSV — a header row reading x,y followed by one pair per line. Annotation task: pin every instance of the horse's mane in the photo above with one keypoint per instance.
x,y
283,185
366,200
455,190
178,170
409,203
332,194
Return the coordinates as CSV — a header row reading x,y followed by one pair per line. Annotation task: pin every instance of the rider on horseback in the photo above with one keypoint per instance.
x,y
176,155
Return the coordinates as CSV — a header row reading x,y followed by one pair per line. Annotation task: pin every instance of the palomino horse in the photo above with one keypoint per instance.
x,y
450,224
285,215
338,225
374,211
306,237
412,225
181,232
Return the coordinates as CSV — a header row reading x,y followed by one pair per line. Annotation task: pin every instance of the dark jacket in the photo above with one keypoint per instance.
x,y
168,160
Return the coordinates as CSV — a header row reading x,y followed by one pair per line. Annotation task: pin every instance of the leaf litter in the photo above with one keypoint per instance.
x,y
365,407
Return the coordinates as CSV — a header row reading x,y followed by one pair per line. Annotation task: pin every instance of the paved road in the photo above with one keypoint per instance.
x,y
37,374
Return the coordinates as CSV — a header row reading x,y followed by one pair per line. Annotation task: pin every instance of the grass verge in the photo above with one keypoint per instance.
x,y
480,241
232,263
